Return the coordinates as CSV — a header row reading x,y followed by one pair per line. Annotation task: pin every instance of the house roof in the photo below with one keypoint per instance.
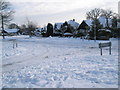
x,y
11,30
83,25
88,22
73,24
102,20
58,25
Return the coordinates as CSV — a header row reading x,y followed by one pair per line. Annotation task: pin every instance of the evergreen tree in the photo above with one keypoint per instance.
x,y
114,22
49,30
95,27
115,30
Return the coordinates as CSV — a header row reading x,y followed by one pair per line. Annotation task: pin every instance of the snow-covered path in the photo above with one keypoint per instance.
x,y
58,62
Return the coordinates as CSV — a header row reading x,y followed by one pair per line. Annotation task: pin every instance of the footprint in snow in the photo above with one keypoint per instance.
x,y
46,57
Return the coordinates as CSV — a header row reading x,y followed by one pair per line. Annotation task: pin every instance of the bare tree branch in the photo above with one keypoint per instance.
x,y
108,14
6,14
93,14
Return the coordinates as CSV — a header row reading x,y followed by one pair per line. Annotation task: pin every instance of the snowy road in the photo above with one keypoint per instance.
x,y
58,63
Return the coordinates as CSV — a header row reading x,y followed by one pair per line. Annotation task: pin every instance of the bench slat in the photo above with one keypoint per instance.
x,y
104,44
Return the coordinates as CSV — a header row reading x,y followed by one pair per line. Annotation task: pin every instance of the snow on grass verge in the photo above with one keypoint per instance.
x,y
61,63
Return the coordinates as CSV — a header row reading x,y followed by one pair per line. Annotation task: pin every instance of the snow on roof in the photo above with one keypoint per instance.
x,y
73,24
58,25
88,22
107,30
102,20
11,30
68,34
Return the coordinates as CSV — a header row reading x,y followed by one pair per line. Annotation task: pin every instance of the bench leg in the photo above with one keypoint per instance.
x,y
110,50
101,51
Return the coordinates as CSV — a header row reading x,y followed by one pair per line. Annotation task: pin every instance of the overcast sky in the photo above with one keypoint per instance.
x,y
44,11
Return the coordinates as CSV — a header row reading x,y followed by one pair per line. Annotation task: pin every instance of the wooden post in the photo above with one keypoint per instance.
x,y
101,51
13,45
110,50
16,44
2,27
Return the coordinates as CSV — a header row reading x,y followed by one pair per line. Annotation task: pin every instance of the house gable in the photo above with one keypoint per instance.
x,y
83,25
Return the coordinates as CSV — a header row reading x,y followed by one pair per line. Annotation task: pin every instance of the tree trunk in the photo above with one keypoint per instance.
x,y
2,27
107,23
95,32
30,34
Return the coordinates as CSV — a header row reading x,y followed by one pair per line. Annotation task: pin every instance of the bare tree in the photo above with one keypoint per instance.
x,y
93,14
108,14
23,29
6,14
31,26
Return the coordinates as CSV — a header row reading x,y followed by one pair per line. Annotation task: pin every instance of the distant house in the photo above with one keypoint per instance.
x,y
57,29
74,26
84,25
88,23
73,23
37,31
41,31
69,31
57,26
12,31
44,29
65,28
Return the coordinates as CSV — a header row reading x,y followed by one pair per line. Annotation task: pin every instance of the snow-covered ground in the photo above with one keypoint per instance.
x,y
58,63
